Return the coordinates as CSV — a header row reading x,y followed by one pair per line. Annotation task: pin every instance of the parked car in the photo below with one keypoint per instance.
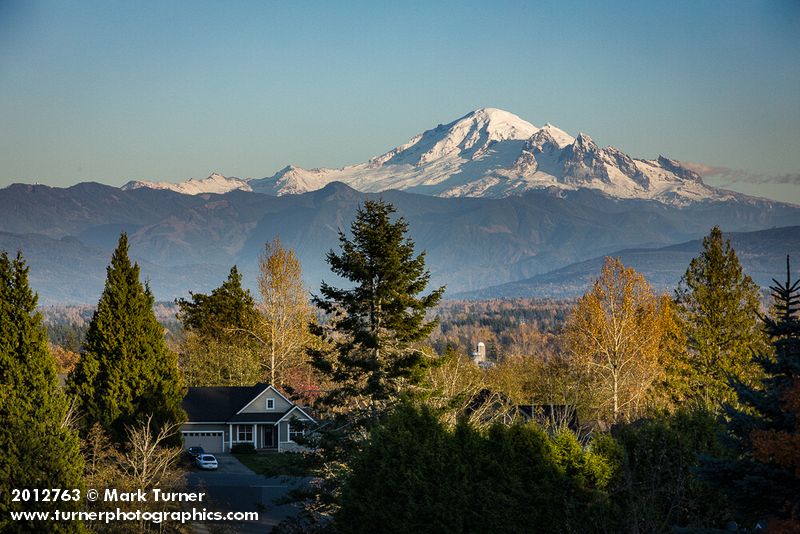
x,y
194,452
206,461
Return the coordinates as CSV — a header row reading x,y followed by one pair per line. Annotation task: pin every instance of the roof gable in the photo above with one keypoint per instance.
x,y
296,409
229,404
282,403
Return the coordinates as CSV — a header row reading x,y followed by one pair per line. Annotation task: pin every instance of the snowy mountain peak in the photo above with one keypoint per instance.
x,y
486,153
500,124
560,137
468,137
585,142
215,183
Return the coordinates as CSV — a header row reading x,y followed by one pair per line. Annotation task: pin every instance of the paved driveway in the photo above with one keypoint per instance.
x,y
235,488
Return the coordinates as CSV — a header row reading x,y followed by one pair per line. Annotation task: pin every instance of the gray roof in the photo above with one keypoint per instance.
x,y
220,404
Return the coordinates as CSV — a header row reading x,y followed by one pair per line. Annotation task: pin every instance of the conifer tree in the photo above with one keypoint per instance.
x,y
217,315
217,349
719,306
374,324
126,373
39,447
764,477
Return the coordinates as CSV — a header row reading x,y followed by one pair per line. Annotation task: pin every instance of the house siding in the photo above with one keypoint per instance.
x,y
283,433
259,405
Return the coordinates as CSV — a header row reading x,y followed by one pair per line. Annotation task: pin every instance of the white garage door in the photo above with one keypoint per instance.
x,y
210,441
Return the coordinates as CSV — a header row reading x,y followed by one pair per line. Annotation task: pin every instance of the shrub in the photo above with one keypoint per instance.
x,y
416,475
243,448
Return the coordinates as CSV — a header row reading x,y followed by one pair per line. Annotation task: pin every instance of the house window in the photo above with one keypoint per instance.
x,y
270,403
244,433
296,430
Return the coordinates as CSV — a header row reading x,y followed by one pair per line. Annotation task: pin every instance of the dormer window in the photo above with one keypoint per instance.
x,y
270,404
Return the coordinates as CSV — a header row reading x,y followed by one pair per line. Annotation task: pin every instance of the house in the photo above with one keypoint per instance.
x,y
221,417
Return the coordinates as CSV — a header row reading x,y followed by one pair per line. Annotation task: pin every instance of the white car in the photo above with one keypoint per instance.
x,y
206,461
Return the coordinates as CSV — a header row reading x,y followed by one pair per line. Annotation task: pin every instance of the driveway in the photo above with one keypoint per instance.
x,y
235,488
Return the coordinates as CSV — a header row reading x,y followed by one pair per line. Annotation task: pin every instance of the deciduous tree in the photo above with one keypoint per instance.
x,y
616,334
285,312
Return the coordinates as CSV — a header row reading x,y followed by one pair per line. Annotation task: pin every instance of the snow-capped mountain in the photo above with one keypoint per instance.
x,y
486,153
216,183
493,153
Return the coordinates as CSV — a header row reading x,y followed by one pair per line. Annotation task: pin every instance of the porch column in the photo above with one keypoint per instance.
x,y
230,437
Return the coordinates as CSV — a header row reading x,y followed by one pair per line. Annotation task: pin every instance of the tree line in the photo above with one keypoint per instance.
x,y
115,421
687,402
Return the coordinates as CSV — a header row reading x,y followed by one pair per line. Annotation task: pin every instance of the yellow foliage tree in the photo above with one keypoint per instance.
x,y
285,312
616,336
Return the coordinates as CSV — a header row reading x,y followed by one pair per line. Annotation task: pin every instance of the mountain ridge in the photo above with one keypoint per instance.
x,y
761,252
188,242
488,152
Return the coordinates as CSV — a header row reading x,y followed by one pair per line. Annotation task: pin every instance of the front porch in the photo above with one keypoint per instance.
x,y
266,436
263,436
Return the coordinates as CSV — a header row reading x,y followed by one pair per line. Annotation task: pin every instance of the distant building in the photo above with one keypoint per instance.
x,y
479,356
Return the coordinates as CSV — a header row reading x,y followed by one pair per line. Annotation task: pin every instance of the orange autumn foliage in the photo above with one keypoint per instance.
x,y
780,447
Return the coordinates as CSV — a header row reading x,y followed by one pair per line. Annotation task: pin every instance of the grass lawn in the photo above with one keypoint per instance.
x,y
280,464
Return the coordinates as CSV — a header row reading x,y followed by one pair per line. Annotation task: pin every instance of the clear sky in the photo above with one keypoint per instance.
x,y
113,91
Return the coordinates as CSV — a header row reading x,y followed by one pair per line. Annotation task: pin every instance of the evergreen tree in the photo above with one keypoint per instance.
x,y
126,373
657,489
219,314
718,305
218,349
415,475
764,478
374,324
39,447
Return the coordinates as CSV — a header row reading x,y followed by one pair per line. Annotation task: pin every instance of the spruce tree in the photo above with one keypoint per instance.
x,y
374,323
126,373
763,478
719,308
39,447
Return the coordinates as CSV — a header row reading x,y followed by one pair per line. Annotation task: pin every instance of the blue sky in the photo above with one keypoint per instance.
x,y
113,91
